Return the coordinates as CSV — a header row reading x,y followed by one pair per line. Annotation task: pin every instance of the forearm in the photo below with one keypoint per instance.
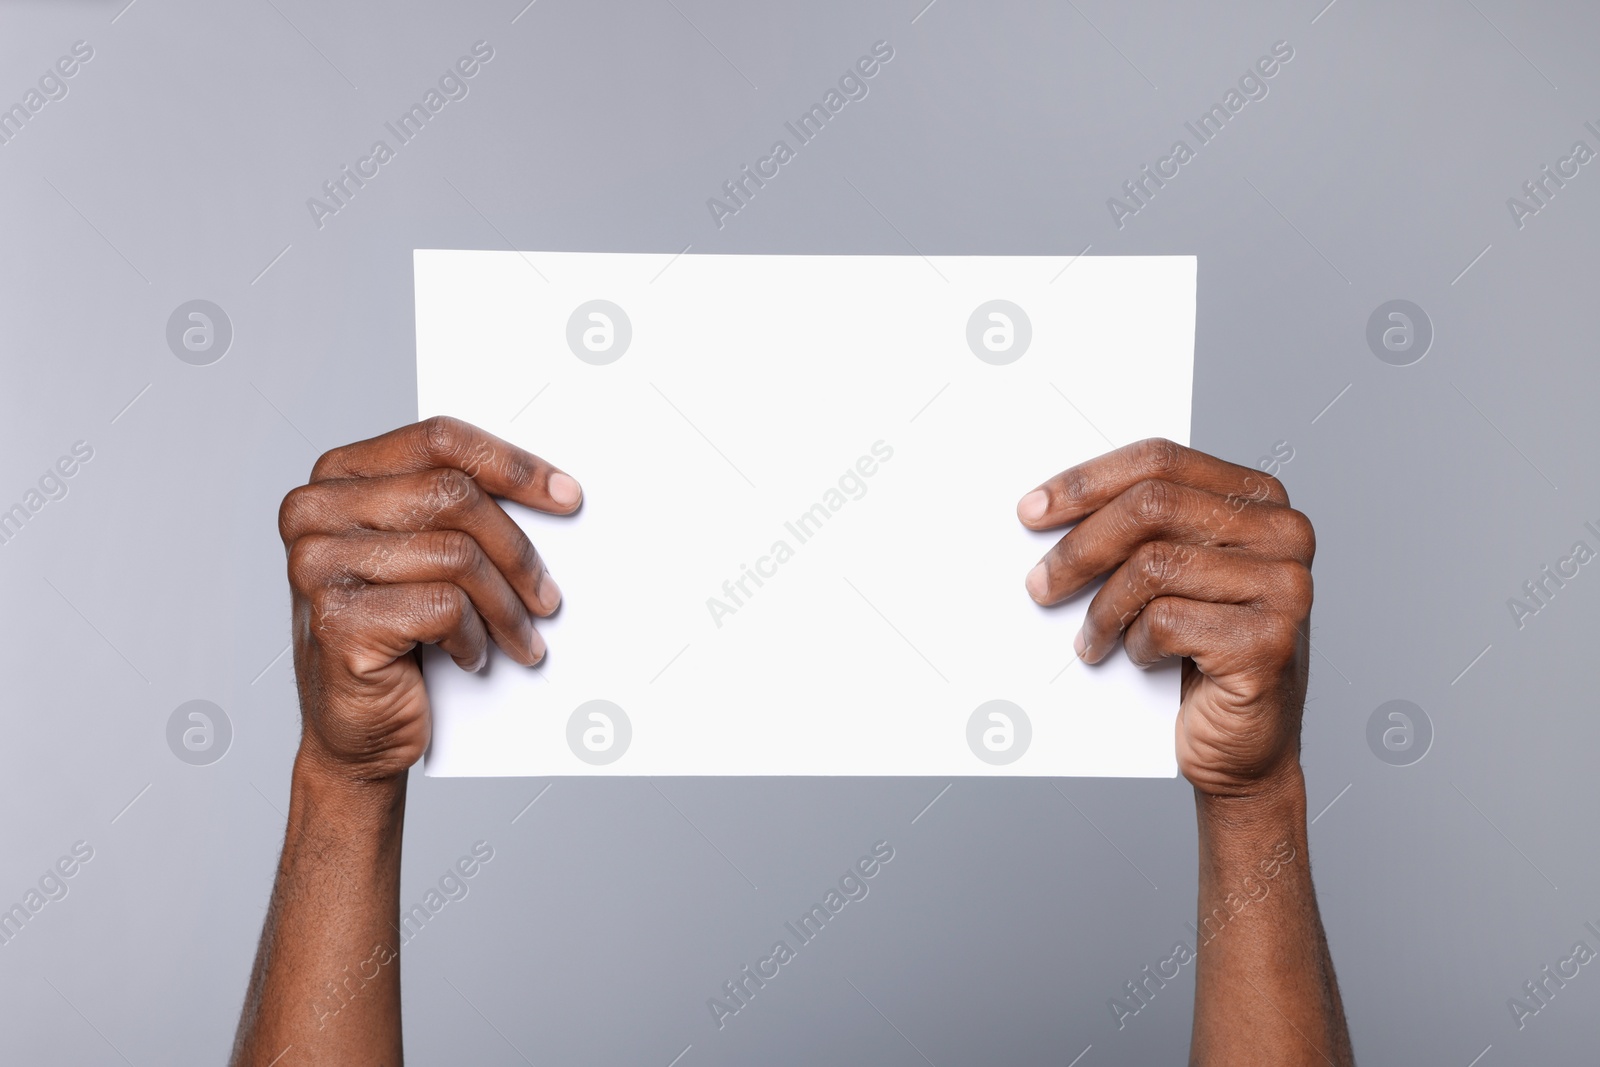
x,y
1265,991
327,972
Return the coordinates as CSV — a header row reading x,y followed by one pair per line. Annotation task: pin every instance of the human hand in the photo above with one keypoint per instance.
x,y
394,543
1207,561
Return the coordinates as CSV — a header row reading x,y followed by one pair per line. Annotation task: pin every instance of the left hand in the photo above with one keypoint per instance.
x,y
398,542
1210,563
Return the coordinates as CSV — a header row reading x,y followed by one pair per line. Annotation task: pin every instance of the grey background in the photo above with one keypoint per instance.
x,y
1377,168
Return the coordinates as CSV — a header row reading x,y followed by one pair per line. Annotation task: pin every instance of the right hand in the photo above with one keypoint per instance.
x,y
1208,563
395,543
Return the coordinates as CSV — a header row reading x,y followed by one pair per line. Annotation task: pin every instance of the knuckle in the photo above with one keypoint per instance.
x,y
293,513
1162,618
1302,536
456,553
329,464
449,491
441,435
329,603
1158,563
443,604
1159,456
1153,501
1268,487
307,562
1298,587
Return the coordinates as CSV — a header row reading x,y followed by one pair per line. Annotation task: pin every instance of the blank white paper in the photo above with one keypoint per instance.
x,y
798,551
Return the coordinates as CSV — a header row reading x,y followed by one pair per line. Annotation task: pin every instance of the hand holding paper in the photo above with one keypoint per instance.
x,y
1208,563
397,542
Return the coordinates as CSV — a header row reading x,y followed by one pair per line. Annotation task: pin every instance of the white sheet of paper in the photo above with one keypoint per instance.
x,y
798,551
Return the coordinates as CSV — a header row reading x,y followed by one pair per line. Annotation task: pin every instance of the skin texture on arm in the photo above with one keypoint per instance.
x,y
1207,562
394,543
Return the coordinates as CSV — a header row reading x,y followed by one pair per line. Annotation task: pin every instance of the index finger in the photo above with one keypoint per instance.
x,y
1078,491
500,467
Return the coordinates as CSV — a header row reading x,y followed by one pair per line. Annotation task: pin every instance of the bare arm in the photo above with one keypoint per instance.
x,y
326,983
1264,979
396,542
1208,563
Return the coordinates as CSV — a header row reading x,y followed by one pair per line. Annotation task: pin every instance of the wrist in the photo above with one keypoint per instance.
x,y
333,795
1274,809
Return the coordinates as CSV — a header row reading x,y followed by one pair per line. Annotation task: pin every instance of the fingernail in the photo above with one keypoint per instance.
x,y
549,592
564,489
536,646
1079,645
1039,581
1032,507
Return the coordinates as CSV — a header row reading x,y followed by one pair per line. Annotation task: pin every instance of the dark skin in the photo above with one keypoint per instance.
x,y
397,542
1208,562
